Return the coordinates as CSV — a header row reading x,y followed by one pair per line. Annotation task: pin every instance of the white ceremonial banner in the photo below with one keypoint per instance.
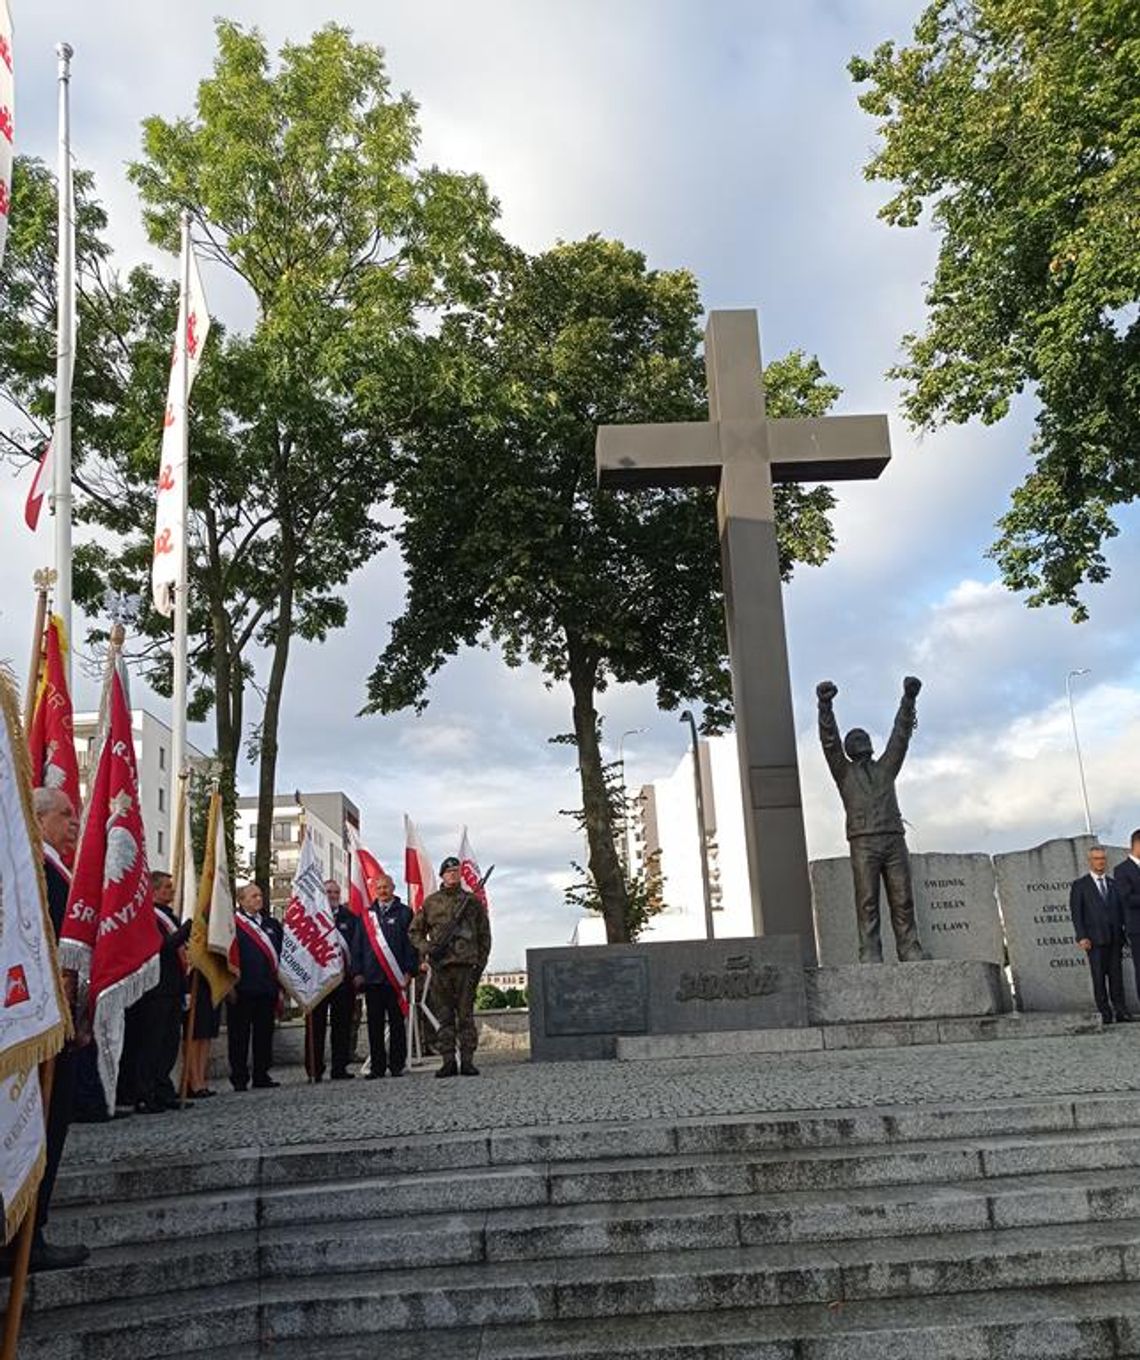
x,y
311,960
23,1149
32,1012
169,524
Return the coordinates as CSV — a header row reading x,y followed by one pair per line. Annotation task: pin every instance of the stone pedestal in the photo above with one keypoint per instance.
x,y
940,989
581,999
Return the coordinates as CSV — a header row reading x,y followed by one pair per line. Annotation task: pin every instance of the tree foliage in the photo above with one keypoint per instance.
x,y
506,537
1016,127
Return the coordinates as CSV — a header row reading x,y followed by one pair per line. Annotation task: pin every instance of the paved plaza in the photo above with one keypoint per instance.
x,y
514,1093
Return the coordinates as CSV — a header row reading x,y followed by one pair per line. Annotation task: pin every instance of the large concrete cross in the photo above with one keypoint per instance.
x,y
742,452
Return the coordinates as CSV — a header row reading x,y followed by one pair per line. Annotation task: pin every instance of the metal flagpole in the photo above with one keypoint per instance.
x,y
182,586
65,358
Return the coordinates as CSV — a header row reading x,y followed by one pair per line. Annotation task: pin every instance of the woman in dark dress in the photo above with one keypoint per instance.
x,y
207,1023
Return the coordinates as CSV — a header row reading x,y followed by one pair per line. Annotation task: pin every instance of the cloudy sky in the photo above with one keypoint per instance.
x,y
724,137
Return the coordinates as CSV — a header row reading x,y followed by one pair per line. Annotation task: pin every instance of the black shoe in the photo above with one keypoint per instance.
x,y
239,1085
46,1257
374,1076
265,1084
449,1069
468,1069
1107,1019
342,1076
1124,1017
399,1071
149,1107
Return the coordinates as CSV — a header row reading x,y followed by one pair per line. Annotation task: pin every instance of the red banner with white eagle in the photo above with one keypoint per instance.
x,y
51,737
108,934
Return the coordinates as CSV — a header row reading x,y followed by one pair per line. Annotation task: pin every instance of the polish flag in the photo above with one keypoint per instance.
x,y
51,739
108,933
418,872
363,871
469,871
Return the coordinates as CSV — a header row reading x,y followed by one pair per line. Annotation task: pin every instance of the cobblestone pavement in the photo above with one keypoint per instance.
x,y
517,1094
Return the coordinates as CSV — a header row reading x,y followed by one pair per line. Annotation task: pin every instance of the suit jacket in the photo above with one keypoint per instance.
x,y
867,787
1096,918
171,981
57,890
1127,878
393,920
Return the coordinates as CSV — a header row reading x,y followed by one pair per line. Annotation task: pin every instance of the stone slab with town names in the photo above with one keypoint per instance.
x,y
1049,972
954,901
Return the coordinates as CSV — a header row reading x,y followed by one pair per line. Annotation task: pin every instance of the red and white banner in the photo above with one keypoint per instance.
x,y
418,872
363,871
7,121
41,485
108,934
51,737
169,524
469,871
312,963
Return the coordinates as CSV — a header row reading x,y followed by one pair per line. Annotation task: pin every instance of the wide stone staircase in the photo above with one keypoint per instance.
x,y
919,1233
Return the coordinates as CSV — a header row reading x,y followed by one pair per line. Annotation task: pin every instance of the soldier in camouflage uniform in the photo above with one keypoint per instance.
x,y
455,976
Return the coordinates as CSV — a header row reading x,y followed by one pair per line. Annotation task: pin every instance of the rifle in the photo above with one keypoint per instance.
x,y
439,949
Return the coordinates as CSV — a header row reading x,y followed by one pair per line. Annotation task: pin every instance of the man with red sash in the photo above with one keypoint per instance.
x,y
253,1002
382,962
160,1009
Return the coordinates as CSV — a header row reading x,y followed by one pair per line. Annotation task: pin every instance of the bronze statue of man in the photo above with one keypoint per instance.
x,y
874,823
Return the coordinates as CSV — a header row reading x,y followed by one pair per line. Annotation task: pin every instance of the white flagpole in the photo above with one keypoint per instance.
x,y
182,587
65,341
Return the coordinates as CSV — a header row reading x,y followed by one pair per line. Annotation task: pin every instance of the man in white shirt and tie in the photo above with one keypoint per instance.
x,y
1098,921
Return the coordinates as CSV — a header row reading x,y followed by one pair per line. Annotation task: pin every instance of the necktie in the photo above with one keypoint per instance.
x,y
1102,886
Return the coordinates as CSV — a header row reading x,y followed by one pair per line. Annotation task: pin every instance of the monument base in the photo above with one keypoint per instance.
x,y
938,989
584,1001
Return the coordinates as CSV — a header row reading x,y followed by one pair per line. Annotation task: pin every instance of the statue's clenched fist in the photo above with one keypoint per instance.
x,y
826,691
911,685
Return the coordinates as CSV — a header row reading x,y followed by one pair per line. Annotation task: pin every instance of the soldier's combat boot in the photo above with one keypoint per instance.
x,y
448,1069
468,1069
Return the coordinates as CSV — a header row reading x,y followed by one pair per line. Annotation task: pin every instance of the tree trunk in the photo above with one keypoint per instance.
x,y
605,866
271,718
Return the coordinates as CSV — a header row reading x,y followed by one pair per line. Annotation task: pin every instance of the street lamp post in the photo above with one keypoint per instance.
x,y
632,732
1077,745
687,717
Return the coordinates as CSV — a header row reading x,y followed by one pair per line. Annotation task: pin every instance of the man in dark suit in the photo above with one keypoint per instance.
x,y
59,827
253,1002
1127,878
381,955
1098,920
160,1009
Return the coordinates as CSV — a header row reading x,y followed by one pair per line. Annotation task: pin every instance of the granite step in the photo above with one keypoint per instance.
x,y
84,1179
865,1034
1084,1322
551,1233
829,1171
483,1295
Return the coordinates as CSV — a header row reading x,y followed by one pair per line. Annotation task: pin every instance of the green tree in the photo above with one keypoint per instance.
x,y
300,179
1016,128
506,536
490,998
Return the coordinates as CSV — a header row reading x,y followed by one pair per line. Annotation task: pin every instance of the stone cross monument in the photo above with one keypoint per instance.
x,y
742,452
